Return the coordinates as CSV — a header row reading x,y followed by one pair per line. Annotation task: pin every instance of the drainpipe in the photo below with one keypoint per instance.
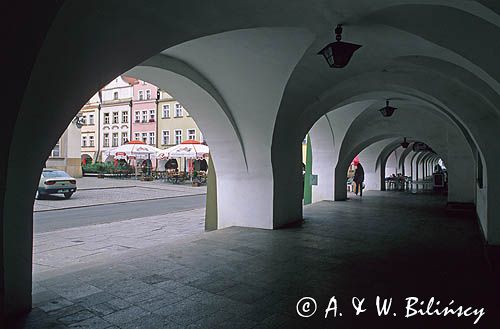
x,y
157,101
130,116
98,135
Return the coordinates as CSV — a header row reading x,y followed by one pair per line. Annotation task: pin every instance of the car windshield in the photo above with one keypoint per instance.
x,y
55,173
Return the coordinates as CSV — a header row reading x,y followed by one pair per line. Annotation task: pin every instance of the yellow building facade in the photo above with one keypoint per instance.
x,y
90,134
175,125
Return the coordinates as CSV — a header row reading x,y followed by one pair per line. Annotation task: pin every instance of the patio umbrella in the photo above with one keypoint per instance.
x,y
189,149
133,150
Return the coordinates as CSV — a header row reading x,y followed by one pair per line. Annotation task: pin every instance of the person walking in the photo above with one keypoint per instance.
x,y
359,177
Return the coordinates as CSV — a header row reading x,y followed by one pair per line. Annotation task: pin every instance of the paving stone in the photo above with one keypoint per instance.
x,y
245,293
92,323
109,307
54,304
43,296
126,315
77,291
145,296
151,321
159,302
152,279
94,299
127,288
76,317
62,312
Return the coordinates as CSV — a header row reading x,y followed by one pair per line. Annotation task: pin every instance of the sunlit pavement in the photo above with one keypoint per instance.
x,y
94,191
54,251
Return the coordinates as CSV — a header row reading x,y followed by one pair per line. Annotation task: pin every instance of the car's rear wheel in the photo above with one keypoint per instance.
x,y
39,195
68,195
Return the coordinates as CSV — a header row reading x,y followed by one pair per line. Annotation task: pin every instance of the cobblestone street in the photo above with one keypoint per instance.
x,y
93,191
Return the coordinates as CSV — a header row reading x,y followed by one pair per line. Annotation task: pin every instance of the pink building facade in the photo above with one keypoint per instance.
x,y
144,108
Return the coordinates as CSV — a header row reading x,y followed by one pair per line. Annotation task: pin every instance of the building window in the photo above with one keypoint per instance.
x,y
84,141
115,117
145,137
144,116
91,141
152,138
178,136
178,110
152,115
115,95
56,151
84,119
191,134
91,119
105,141
165,137
115,139
148,94
166,111
125,117
124,137
137,136
106,118
137,116
141,95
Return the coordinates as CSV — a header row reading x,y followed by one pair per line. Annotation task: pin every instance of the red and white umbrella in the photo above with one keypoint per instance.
x,y
189,149
133,150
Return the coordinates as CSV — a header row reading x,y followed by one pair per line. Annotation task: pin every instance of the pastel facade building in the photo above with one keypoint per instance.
x,y
115,116
175,125
65,155
90,129
144,107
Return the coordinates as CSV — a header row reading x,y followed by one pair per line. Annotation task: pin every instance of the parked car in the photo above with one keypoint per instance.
x,y
54,181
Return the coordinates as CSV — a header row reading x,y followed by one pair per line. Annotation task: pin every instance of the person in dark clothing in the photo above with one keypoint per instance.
x,y
359,177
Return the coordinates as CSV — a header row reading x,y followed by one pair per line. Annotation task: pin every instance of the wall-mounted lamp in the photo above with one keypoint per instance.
x,y
405,144
79,121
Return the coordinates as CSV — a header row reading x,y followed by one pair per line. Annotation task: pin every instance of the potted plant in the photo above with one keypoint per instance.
x,y
100,170
195,181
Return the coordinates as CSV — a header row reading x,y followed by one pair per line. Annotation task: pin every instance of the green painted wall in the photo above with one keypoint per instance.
x,y
211,207
307,178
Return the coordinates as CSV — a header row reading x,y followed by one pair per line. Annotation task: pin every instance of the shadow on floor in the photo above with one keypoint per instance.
x,y
392,245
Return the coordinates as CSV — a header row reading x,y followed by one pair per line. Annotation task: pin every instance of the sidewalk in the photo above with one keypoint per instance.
x,y
72,248
94,191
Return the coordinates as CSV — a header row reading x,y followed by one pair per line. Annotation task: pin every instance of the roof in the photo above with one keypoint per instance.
x,y
130,80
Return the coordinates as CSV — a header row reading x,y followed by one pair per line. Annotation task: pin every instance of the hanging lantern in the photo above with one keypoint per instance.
x,y
387,110
405,144
338,54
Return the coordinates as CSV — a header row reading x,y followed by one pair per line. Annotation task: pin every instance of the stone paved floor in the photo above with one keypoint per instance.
x,y
389,244
91,189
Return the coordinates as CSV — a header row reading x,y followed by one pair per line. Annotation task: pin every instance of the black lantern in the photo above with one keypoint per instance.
x,y
405,144
387,110
338,53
